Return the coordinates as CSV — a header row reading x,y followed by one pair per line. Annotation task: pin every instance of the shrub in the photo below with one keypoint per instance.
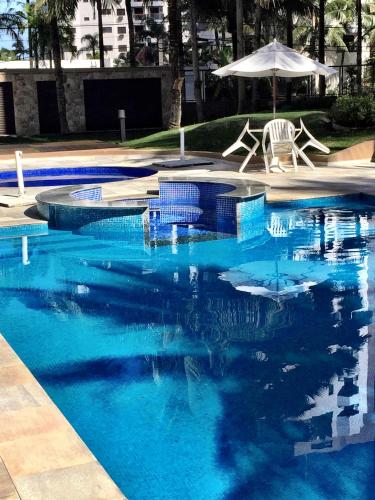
x,y
354,111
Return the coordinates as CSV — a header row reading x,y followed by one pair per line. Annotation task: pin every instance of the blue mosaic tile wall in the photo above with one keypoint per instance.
x,y
94,194
115,223
226,215
202,194
24,230
250,218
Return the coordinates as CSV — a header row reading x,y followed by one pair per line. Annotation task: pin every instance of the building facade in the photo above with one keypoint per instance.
x,y
115,25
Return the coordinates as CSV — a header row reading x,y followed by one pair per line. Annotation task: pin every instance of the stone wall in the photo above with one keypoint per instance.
x,y
26,99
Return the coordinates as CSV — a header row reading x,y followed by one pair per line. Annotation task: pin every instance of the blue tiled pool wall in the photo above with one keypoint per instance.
x,y
190,202
23,230
107,223
94,194
250,218
59,175
197,205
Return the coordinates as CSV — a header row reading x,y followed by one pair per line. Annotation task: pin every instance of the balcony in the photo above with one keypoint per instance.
x,y
139,18
156,16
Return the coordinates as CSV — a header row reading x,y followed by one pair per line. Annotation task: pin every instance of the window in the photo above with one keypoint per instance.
x,y
86,1
108,48
74,31
121,30
107,29
86,19
106,12
121,12
123,48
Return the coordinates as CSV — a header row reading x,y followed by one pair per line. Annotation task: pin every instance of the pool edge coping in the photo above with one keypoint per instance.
x,y
66,457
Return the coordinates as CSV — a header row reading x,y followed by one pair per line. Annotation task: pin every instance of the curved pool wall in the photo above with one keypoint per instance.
x,y
64,176
222,206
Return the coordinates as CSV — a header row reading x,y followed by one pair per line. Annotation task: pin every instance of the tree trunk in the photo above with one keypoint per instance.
x,y
217,39
129,15
60,91
257,40
322,35
289,42
240,53
100,32
176,62
195,57
359,46
36,51
30,36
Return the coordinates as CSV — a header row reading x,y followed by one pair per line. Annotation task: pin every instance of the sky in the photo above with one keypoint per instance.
x,y
6,40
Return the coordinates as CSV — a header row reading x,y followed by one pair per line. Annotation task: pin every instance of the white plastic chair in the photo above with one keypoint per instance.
x,y
312,142
281,136
240,144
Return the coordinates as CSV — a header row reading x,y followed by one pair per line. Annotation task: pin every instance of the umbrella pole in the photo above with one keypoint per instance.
x,y
274,93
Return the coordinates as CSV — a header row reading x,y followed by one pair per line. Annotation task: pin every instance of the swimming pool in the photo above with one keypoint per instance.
x,y
64,176
208,367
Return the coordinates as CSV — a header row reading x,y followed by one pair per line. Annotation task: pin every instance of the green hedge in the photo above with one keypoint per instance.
x,y
354,111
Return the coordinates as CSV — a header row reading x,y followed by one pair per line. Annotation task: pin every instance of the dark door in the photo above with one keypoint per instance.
x,y
48,109
141,99
7,123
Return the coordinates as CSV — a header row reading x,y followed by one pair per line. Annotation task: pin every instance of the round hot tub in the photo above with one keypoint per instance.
x,y
67,176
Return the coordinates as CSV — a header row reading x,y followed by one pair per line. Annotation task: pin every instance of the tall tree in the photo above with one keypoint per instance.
x,y
257,42
321,44
195,57
358,5
29,36
176,62
240,53
129,14
99,9
55,11
91,44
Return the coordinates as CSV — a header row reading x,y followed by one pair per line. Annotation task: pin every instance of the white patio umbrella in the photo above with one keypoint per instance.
x,y
275,60
275,279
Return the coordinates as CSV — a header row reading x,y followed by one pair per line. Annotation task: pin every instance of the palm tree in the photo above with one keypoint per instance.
x,y
240,53
321,44
99,9
12,22
129,15
57,11
195,58
176,62
358,6
91,44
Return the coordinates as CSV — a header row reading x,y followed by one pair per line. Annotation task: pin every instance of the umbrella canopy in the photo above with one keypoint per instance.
x,y
275,59
277,279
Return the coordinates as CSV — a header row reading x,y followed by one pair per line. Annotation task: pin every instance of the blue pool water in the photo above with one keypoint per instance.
x,y
63,176
207,367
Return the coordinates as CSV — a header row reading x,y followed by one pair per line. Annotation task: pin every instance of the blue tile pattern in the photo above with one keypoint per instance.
x,y
94,194
62,176
23,230
250,218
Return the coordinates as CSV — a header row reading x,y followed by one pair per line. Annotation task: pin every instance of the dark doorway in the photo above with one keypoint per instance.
x,y
48,109
7,123
141,99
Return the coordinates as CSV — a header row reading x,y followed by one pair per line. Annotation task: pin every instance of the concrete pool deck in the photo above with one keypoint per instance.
x,y
42,456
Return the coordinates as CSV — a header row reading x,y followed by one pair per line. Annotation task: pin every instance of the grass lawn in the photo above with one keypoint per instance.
x,y
217,135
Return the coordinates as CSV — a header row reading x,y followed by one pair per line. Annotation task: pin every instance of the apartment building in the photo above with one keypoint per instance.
x,y
115,24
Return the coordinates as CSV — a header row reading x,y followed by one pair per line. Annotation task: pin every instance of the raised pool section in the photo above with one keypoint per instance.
x,y
217,205
64,176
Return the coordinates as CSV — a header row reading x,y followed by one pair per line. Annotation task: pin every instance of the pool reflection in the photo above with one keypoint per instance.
x,y
252,393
